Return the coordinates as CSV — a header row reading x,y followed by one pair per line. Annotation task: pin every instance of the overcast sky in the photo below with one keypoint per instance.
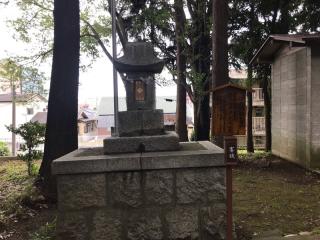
x,y
96,82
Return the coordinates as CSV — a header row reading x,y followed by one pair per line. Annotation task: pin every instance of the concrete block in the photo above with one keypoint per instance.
x,y
159,187
200,186
81,191
144,225
106,225
141,122
72,226
182,223
124,189
213,221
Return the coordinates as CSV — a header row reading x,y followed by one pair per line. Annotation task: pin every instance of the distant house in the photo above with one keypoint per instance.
x,y
106,113
27,105
258,114
295,80
87,123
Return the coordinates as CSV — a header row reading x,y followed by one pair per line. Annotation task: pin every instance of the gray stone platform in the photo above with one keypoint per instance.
x,y
153,195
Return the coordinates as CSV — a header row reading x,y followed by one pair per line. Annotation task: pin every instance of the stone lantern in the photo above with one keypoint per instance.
x,y
142,125
139,65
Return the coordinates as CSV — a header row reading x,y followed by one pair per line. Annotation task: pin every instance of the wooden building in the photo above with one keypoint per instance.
x,y
295,61
228,112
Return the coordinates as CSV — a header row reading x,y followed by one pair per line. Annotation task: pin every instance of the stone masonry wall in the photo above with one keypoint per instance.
x,y
139,205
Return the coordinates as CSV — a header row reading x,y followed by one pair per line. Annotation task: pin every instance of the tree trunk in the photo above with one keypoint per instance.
x,y
61,129
250,147
220,72
181,119
201,119
267,109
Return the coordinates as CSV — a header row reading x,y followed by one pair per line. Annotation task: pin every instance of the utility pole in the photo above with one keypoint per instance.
x,y
115,75
13,96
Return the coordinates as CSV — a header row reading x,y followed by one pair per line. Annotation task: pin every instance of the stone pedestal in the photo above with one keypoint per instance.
x,y
141,122
152,196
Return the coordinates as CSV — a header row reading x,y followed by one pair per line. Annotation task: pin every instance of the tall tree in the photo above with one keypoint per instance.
x,y
220,69
61,129
181,61
251,22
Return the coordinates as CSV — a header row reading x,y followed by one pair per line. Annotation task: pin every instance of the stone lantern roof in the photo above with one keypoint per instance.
x,y
139,57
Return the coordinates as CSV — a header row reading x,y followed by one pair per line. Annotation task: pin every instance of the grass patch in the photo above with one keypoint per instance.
x,y
17,193
282,196
46,232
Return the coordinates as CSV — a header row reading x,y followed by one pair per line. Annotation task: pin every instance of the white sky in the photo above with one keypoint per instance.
x,y
96,82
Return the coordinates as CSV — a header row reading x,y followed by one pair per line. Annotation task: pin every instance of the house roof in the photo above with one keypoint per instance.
x,y
40,117
83,116
168,104
86,115
275,42
7,97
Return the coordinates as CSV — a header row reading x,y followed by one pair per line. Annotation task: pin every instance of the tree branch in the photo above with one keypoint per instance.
x,y
41,6
96,36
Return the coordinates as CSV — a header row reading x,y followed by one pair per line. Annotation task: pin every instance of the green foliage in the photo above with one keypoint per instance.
x,y
14,75
33,134
46,232
4,150
35,27
257,155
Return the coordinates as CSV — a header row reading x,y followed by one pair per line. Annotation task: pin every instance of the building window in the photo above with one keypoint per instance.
x,y
29,111
259,112
259,140
85,128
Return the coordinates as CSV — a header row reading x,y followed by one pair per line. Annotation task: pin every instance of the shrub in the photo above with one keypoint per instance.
x,y
33,134
4,150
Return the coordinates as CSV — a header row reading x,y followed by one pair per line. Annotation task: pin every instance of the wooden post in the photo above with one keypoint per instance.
x,y
231,159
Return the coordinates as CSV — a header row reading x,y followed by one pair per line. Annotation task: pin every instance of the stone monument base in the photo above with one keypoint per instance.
x,y
169,141
152,196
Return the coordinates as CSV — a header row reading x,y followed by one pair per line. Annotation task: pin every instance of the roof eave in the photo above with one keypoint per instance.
x,y
271,41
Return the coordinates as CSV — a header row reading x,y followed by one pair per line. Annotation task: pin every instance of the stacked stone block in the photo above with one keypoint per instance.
x,y
161,204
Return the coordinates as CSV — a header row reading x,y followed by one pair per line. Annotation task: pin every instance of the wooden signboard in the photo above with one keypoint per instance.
x,y
228,111
231,150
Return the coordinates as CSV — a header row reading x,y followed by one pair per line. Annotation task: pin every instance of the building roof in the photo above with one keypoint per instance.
x,y
275,42
40,117
86,115
168,104
7,97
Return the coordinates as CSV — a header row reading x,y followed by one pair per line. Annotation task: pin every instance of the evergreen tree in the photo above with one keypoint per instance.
x,y
61,130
